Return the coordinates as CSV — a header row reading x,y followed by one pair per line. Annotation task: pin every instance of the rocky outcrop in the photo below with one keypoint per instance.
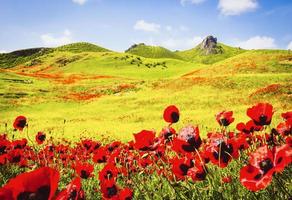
x,y
209,46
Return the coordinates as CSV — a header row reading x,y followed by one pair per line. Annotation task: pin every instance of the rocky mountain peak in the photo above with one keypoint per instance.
x,y
209,46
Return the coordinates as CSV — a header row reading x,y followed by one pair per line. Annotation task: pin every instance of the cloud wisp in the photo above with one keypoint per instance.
x,y
184,2
142,25
258,42
236,7
80,2
50,40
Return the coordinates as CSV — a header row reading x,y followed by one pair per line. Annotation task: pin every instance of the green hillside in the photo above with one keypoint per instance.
x,y
117,94
34,56
19,57
81,47
151,51
197,55
250,62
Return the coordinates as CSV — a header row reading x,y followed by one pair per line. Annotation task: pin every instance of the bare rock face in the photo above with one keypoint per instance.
x,y
209,46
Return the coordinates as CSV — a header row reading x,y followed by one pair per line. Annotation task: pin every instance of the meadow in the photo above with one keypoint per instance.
x,y
99,125
100,92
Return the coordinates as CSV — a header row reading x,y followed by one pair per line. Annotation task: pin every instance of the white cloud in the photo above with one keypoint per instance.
x,y
289,46
181,43
80,2
50,40
236,7
3,51
146,26
183,2
258,42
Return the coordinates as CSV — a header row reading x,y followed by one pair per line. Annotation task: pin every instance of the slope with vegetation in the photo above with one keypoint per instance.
x,y
111,89
151,51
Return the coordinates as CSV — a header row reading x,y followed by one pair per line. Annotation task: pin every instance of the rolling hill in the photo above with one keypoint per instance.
x,y
80,47
151,51
198,55
20,57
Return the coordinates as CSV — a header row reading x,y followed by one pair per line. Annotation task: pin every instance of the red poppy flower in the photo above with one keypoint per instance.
x,y
222,152
188,139
90,145
126,194
4,146
109,189
144,140
100,155
197,173
167,134
287,115
282,157
225,118
248,128
15,156
112,146
109,171
41,183
264,162
72,192
19,123
262,159
40,137
261,114
285,128
19,144
171,114
84,170
180,166
253,179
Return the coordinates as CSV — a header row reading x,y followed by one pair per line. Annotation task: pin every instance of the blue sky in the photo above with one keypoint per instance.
x,y
117,24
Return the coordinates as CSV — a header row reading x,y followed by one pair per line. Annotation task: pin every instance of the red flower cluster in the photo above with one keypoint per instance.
x,y
175,155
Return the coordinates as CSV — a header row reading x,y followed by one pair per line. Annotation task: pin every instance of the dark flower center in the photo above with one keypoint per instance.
x,y
184,169
18,146
266,165
225,152
258,176
263,120
109,174
112,191
167,135
42,137
196,143
42,193
174,117
84,174
201,175
21,123
279,160
101,159
16,159
2,150
224,122
72,195
188,148
87,146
